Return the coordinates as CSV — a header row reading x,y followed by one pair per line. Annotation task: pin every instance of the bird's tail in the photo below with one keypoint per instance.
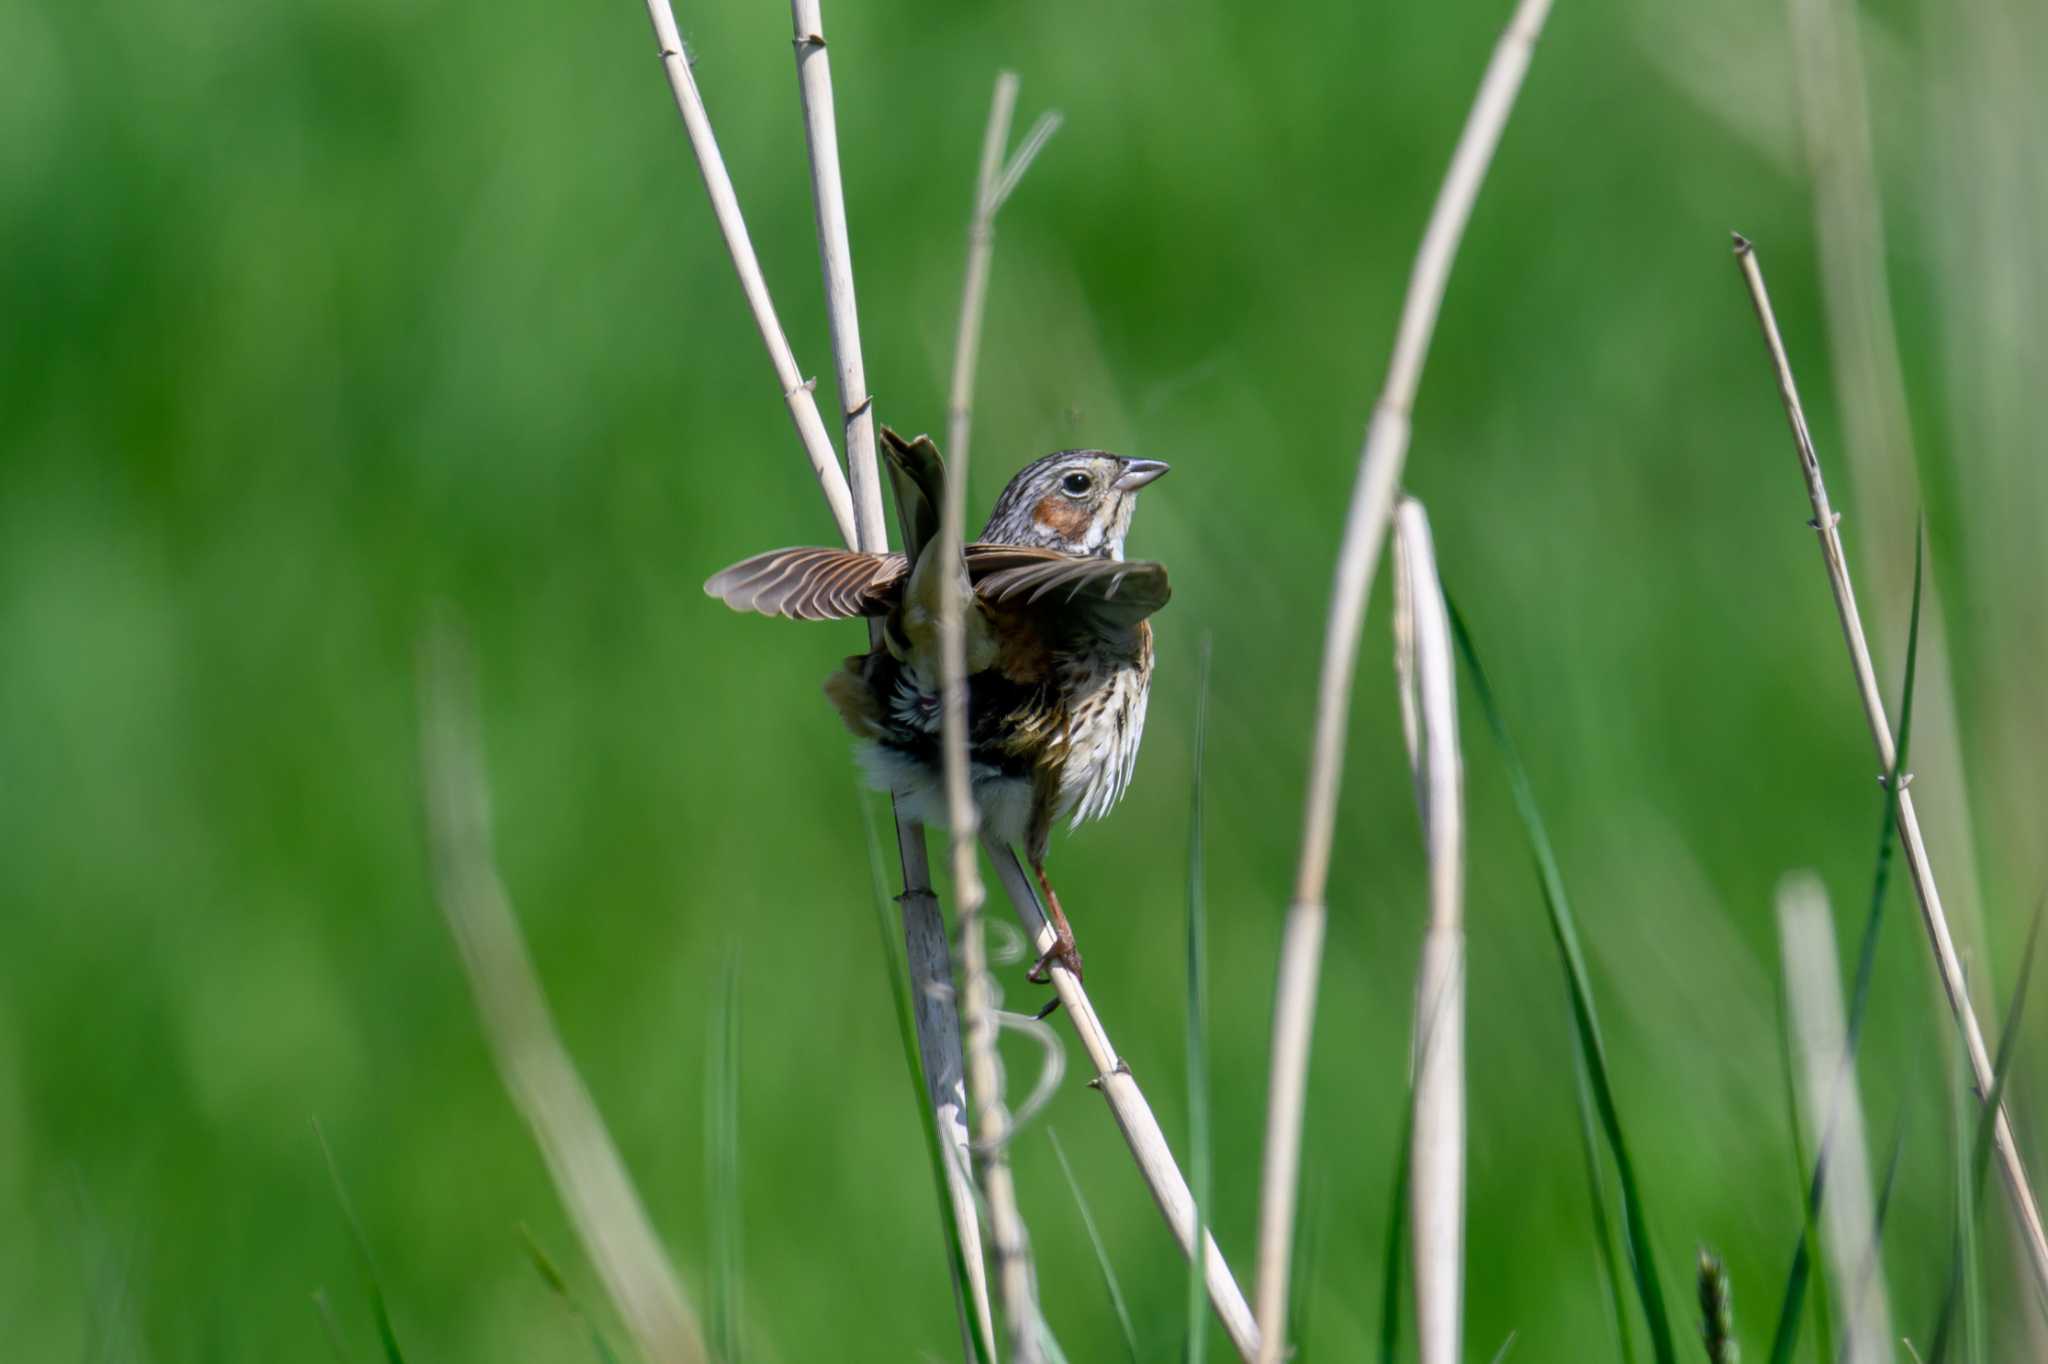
x,y
918,475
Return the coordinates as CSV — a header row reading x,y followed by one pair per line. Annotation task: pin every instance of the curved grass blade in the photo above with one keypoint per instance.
x,y
1963,1287
332,1327
2008,1045
387,1336
559,1286
1641,1255
1109,1279
1603,1220
1792,1303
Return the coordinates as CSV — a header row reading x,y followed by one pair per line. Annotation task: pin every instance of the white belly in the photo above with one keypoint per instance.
x,y
1004,802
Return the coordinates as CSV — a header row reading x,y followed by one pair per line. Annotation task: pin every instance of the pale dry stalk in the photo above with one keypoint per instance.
x,y
835,257
1429,709
1372,501
1127,1103
981,240
1833,1106
1133,1115
536,1068
990,1120
796,390
928,954
1826,522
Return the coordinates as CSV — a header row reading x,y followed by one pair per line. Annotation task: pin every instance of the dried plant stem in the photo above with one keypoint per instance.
x,y
536,1068
1833,1106
835,257
796,390
1379,474
1436,1183
929,956
981,235
997,179
1826,522
1127,1105
990,1120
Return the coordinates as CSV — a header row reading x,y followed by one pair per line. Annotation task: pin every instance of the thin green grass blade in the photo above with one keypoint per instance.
x,y
331,1327
1961,1301
1884,1190
1500,1356
722,1148
1603,1219
386,1335
1965,1288
1109,1279
1199,1175
927,1121
559,1286
1394,1242
1641,1253
1792,1303
2008,1046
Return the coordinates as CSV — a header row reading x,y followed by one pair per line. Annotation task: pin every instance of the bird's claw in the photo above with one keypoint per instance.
x,y
1062,952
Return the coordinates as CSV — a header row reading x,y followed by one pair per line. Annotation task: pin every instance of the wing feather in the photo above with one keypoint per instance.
x,y
1102,593
811,584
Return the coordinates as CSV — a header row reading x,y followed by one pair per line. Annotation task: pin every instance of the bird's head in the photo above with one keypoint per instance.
x,y
1075,501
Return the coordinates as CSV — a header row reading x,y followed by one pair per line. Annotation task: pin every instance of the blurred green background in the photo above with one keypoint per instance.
x,y
319,313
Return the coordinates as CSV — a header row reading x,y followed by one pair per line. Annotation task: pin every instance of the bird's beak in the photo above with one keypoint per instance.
x,y
1138,472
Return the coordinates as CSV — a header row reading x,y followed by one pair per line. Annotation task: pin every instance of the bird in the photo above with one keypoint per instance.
x,y
1058,645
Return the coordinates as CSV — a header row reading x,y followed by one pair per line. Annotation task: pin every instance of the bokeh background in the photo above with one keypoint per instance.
x,y
318,314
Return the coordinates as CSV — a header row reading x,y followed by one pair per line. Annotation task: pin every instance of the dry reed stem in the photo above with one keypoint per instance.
x,y
1127,1105
535,1066
1948,964
974,290
1379,474
994,185
835,258
796,390
928,954
989,1119
1436,1182
1833,1105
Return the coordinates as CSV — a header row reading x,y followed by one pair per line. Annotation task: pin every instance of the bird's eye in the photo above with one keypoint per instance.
x,y
1076,484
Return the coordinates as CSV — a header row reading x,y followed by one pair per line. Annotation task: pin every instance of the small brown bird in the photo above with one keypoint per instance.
x,y
1058,645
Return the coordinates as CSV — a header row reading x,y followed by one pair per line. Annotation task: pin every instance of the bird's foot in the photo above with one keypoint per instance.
x,y
1063,952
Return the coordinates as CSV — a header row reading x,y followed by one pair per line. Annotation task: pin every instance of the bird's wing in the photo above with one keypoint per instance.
x,y
1103,593
811,584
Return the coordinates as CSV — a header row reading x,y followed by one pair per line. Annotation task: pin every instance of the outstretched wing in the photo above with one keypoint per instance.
x,y
811,584
1101,593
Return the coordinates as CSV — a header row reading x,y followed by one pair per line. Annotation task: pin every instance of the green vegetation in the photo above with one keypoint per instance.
x,y
319,314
